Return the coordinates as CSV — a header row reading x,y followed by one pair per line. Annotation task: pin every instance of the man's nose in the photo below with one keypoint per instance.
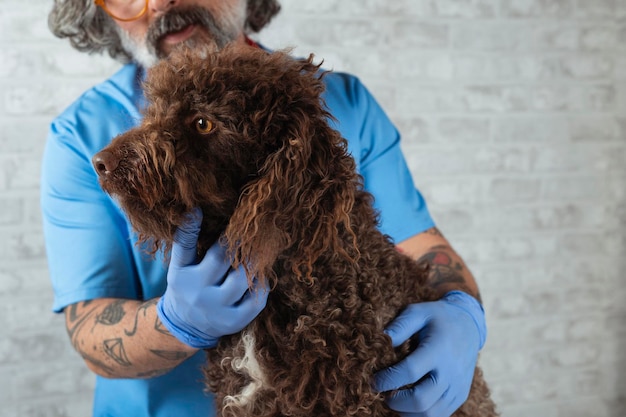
x,y
163,6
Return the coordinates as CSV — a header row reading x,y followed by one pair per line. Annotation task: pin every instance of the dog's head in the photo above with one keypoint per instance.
x,y
240,133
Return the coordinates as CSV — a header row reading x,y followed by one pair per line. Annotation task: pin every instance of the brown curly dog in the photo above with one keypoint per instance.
x,y
243,135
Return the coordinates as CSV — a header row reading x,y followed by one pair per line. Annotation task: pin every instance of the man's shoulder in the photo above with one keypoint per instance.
x,y
100,113
346,95
120,94
341,85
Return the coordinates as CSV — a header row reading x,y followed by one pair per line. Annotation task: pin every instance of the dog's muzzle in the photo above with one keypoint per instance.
x,y
105,163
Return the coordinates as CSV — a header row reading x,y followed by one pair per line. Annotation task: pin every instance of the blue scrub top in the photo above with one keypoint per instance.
x,y
91,248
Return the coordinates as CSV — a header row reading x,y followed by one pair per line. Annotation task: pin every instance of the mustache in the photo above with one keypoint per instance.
x,y
179,18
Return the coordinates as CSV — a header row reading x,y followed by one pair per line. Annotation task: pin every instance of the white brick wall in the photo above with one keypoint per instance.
x,y
514,121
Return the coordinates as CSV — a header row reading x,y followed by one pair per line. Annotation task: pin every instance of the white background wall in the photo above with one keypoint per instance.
x,y
514,121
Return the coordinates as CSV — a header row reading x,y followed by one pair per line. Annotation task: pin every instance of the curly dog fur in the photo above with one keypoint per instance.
x,y
243,134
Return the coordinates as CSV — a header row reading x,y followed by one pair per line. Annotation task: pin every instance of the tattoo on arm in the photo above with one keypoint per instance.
x,y
112,314
76,320
114,348
158,326
444,270
433,231
155,373
171,355
113,354
141,310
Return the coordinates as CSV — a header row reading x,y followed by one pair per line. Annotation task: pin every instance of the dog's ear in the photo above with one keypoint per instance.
x,y
300,203
297,209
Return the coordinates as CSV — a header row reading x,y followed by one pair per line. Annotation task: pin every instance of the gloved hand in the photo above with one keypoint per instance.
x,y
207,300
451,332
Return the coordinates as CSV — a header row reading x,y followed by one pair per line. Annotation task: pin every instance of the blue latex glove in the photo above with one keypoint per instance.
x,y
451,332
207,300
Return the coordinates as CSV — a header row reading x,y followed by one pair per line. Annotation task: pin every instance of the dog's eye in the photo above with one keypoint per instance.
x,y
203,125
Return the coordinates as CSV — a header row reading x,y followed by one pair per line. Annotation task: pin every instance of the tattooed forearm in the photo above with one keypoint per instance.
x,y
141,312
77,317
158,326
123,338
114,348
442,268
171,355
446,270
433,231
112,314
154,373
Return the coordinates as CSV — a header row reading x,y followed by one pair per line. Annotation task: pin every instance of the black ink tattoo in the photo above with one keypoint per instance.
x,y
171,355
112,314
76,320
141,310
158,326
443,270
154,373
114,348
434,231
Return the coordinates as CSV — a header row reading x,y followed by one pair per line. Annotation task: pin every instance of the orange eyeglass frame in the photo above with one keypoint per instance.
x,y
101,4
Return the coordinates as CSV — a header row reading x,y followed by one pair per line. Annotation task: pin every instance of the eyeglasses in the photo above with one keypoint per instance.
x,y
123,10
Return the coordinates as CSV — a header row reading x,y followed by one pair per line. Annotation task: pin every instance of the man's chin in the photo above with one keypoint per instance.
x,y
147,57
138,52
199,40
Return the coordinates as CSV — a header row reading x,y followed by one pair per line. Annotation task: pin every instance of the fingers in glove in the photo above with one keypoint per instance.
x,y
258,291
186,239
409,322
418,399
252,302
442,408
411,369
214,267
234,287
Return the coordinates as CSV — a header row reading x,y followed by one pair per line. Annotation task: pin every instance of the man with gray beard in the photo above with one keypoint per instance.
x,y
139,323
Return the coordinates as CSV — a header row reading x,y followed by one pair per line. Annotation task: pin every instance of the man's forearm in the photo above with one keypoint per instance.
x,y
447,270
120,338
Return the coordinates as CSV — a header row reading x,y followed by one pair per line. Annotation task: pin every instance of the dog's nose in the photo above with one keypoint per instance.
x,y
104,162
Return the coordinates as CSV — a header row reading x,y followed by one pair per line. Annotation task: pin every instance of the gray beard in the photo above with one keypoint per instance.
x,y
213,35
138,51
